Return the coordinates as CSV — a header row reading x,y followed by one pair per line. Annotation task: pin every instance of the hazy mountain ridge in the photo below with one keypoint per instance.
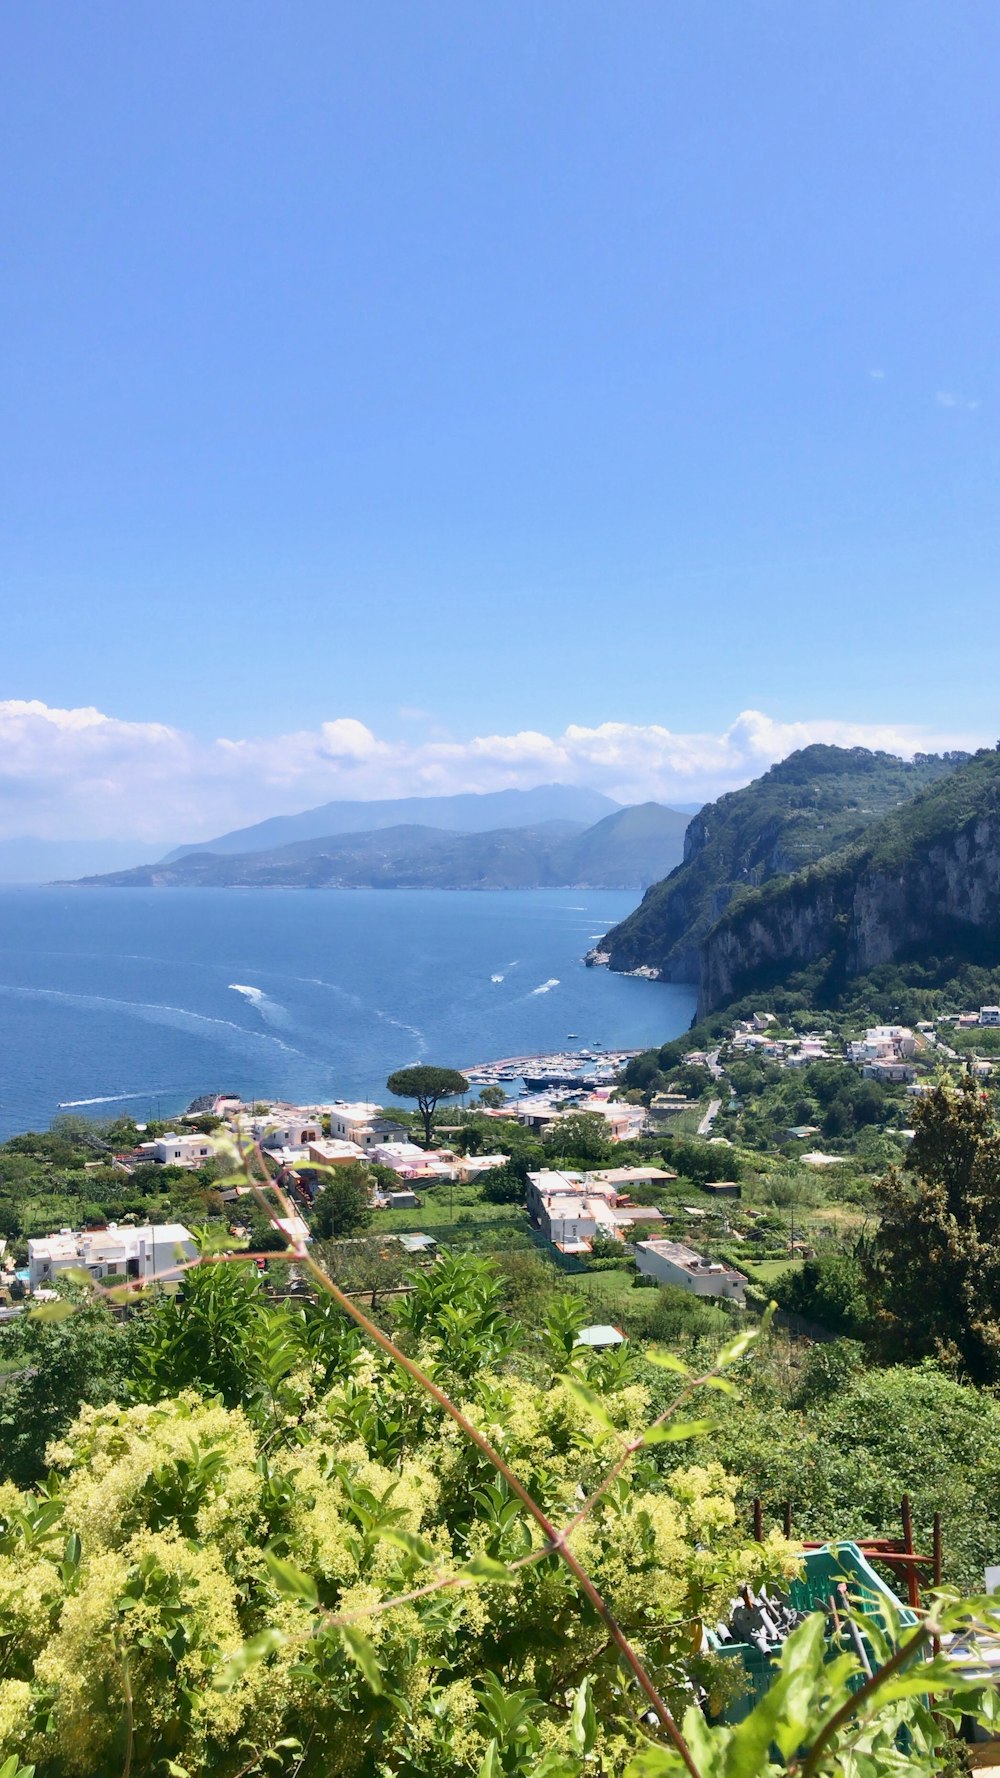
x,y
469,812
625,850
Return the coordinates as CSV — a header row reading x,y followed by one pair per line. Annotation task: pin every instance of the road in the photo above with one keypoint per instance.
x,y
705,1127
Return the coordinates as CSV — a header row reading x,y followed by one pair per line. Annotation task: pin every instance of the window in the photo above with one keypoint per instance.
x,y
112,1268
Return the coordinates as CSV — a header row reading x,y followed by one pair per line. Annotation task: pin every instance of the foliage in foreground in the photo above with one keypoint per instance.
x,y
287,1559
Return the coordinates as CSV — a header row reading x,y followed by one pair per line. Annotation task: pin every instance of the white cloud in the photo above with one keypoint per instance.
x,y
82,774
948,398
877,376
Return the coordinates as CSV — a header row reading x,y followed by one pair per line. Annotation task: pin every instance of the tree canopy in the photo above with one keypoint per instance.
x,y
427,1084
933,1265
343,1203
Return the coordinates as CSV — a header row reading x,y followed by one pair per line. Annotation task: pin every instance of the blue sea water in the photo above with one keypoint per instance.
x,y
142,999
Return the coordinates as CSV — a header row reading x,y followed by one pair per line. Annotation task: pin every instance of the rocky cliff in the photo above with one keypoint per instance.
x,y
925,881
814,803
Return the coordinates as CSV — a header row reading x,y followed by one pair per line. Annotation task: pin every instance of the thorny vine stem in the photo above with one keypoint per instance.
x,y
856,1701
556,1538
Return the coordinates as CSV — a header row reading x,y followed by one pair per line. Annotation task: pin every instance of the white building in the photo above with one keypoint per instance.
x,y
115,1253
572,1209
399,1155
295,1128
989,1015
178,1151
890,1071
363,1124
623,1178
673,1263
473,1166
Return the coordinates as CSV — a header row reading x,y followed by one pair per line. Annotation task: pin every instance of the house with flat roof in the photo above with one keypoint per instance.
x,y
178,1151
355,1121
572,1209
115,1253
673,1263
328,1152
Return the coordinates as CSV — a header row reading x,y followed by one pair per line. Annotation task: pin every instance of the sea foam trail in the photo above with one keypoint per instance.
x,y
547,987
116,1098
152,1011
271,1011
496,978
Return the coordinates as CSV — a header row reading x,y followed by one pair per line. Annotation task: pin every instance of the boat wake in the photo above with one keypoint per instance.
x,y
115,1098
546,987
271,1011
154,1012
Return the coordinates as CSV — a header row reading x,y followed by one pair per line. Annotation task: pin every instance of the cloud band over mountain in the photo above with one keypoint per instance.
x,y
81,773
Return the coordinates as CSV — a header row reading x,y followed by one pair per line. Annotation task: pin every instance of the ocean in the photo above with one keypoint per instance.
x,y
138,1000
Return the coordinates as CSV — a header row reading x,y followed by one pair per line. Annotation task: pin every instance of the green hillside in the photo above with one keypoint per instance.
x,y
814,803
921,889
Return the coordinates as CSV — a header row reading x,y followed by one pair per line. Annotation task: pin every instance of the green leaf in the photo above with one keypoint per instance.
x,y
583,1720
591,1403
736,1348
362,1653
667,1361
50,1312
258,1648
290,1581
490,1768
675,1430
655,1762
415,1546
77,1275
484,1568
722,1384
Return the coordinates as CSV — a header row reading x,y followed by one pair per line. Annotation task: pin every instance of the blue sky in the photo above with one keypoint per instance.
x,y
457,370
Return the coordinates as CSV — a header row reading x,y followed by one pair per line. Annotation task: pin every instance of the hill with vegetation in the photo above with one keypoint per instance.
x,y
923,884
625,850
814,803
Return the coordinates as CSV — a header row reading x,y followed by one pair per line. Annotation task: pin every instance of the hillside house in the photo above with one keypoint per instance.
x,y
574,1209
114,1253
363,1124
330,1153
889,1071
673,1263
177,1151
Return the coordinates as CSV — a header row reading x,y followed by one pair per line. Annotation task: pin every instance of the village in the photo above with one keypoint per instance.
x,y
677,1225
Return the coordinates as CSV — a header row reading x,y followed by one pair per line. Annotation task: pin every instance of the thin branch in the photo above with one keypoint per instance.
x,y
475,1437
853,1704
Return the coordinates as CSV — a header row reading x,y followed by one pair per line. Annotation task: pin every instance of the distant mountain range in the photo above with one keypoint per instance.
x,y
473,812
837,862
625,850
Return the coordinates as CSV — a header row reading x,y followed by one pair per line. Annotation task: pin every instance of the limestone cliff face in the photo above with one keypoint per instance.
x,y
804,809
872,908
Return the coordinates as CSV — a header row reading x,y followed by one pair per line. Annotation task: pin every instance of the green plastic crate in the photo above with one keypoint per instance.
x,y
824,1569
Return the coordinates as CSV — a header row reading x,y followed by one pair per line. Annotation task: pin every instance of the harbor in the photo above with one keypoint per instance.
x,y
586,1069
